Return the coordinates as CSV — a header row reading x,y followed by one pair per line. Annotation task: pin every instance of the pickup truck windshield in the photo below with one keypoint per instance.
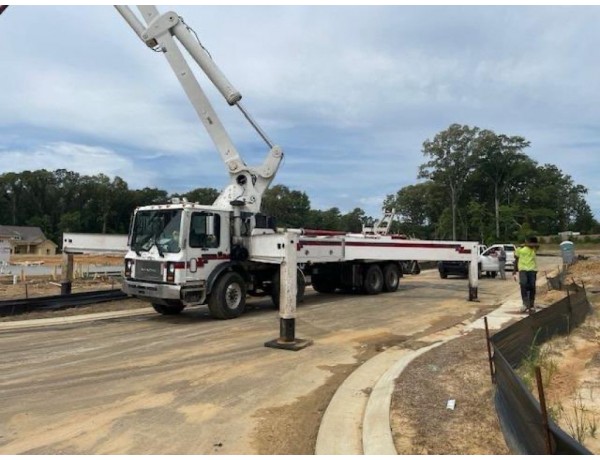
x,y
160,228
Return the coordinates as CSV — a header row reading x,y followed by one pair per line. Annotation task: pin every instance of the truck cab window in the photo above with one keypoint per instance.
x,y
159,228
205,230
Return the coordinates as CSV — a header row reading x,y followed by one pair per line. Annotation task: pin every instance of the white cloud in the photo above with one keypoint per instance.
x,y
84,159
350,93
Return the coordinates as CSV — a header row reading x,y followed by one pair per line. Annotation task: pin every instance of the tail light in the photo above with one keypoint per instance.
x,y
170,272
128,267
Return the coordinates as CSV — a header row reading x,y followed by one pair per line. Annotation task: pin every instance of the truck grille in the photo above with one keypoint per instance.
x,y
149,270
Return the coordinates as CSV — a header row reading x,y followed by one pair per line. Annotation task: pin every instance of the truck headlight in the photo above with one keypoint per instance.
x,y
128,267
170,272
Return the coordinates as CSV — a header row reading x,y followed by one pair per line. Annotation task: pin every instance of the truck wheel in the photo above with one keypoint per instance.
x,y
391,278
322,284
300,282
443,274
228,298
373,281
168,309
494,274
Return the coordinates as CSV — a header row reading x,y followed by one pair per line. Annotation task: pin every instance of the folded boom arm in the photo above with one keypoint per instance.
x,y
247,184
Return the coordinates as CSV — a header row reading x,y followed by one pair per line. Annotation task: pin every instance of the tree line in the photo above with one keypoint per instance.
x,y
64,201
482,186
476,185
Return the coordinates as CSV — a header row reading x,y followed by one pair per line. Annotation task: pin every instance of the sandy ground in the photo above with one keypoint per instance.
x,y
421,423
193,385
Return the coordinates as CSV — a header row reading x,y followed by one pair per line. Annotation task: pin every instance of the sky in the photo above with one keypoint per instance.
x,y
349,92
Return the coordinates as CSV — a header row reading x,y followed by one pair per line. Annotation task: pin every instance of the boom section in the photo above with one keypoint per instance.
x,y
247,184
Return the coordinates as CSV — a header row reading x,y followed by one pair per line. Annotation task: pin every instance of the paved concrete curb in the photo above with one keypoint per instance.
x,y
64,320
340,429
377,433
357,419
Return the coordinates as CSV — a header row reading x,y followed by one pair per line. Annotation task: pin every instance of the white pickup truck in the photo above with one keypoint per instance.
x,y
488,260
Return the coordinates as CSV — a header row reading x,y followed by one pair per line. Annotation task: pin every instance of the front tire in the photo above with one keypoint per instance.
x,y
168,310
228,298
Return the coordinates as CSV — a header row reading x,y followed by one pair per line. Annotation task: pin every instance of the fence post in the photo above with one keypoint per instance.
x,y
570,316
546,426
66,280
489,350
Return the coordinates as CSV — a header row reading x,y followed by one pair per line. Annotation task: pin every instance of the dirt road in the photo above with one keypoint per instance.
x,y
194,385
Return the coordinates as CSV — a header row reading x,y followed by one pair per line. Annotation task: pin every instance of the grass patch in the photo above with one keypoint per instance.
x,y
537,356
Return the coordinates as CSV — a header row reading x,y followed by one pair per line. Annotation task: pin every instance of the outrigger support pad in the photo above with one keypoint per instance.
x,y
287,339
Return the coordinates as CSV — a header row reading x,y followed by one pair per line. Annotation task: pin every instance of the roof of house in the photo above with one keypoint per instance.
x,y
25,234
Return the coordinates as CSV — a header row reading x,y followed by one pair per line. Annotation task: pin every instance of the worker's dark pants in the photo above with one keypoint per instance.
x,y
527,282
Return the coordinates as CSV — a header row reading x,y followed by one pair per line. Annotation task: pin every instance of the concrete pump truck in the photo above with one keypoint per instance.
x,y
183,254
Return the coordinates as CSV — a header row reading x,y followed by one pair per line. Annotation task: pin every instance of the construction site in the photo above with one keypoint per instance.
x,y
209,326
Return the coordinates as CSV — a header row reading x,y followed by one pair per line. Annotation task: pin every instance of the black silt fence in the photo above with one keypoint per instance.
x,y
58,302
519,412
557,282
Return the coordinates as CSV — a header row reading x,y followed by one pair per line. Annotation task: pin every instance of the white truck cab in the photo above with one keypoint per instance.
x,y
488,260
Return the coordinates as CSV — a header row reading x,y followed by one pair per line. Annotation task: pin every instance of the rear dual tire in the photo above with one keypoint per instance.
x,y
391,278
373,280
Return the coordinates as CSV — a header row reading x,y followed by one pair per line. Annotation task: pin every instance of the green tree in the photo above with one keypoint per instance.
x,y
417,206
70,222
353,221
202,195
452,160
147,196
331,219
497,157
289,207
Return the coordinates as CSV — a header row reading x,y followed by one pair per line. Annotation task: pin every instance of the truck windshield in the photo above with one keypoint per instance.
x,y
160,228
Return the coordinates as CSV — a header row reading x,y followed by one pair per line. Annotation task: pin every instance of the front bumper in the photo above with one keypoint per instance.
x,y
151,291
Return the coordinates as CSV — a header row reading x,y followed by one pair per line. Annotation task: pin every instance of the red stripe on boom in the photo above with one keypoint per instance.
x,y
457,247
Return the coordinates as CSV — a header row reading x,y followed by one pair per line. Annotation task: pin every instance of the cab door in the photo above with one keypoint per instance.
x,y
510,255
208,243
489,260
